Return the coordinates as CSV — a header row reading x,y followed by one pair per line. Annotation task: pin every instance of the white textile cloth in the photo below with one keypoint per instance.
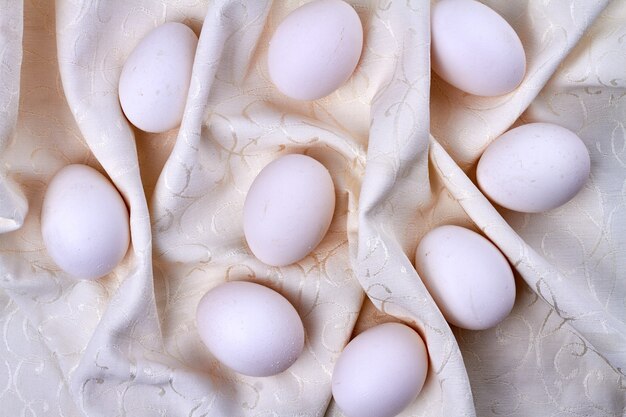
x,y
401,146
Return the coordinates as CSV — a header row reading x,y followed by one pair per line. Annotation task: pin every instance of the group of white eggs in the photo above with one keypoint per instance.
x,y
289,207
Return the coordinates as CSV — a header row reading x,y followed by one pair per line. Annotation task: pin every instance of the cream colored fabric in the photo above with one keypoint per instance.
x,y
13,205
401,147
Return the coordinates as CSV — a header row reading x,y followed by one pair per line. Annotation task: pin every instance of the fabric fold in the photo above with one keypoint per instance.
x,y
233,126
13,203
395,190
577,308
401,146
548,35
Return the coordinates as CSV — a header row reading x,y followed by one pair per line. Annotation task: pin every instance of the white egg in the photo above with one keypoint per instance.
x,y
467,276
475,49
155,78
380,372
315,49
250,328
288,209
84,222
533,168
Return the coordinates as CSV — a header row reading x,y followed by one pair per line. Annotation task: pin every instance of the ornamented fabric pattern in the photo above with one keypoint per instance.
x,y
401,146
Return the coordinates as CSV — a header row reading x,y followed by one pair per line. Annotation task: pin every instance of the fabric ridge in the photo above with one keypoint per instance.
x,y
401,146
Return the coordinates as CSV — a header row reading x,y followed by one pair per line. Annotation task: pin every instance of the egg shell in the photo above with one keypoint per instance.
x,y
380,372
84,222
475,49
250,328
467,276
288,209
155,78
534,168
315,49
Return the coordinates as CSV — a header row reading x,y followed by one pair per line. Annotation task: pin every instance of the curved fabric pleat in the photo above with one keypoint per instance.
x,y
401,146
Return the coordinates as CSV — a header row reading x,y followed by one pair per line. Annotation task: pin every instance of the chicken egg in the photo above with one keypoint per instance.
x,y
288,209
475,49
380,372
315,49
156,76
467,276
84,222
534,168
250,328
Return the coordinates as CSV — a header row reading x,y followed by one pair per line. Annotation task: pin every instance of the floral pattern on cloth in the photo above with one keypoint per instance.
x,y
401,146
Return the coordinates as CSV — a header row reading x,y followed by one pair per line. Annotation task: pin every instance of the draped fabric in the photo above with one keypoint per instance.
x,y
401,146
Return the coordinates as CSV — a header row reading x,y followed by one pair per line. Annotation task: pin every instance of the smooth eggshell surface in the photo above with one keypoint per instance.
x,y
533,168
315,49
467,276
380,372
250,328
475,49
288,209
84,222
155,78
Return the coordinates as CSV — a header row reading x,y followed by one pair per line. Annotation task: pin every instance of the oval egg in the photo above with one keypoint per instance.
x,y
380,372
288,209
467,276
84,222
315,49
250,328
155,78
534,168
475,49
